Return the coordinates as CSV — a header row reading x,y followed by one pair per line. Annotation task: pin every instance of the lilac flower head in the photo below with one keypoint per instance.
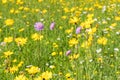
x,y
52,25
68,52
78,30
38,26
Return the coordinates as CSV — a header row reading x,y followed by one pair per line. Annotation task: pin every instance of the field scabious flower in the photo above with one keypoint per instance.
x,y
52,25
78,30
68,52
38,26
9,22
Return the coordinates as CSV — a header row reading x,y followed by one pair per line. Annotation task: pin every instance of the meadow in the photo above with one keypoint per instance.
x,y
59,39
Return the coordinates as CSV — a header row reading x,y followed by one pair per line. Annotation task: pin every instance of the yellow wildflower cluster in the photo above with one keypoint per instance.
x,y
102,40
20,41
33,70
37,36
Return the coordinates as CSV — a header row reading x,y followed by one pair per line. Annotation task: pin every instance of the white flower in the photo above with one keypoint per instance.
x,y
117,33
99,50
103,9
116,49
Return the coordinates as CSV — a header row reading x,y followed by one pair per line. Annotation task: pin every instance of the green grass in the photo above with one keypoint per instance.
x,y
90,65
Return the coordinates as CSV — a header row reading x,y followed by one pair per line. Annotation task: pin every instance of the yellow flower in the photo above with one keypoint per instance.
x,y
92,31
46,75
53,53
68,75
8,39
13,69
44,11
68,31
100,59
74,20
55,45
114,24
38,78
40,0
73,41
64,17
74,56
9,22
21,30
20,41
86,44
8,53
4,1
37,36
33,70
19,2
12,10
102,40
117,18
20,64
21,77
0,30
66,10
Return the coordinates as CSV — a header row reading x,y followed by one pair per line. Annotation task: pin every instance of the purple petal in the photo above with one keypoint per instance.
x,y
78,30
52,25
68,52
38,26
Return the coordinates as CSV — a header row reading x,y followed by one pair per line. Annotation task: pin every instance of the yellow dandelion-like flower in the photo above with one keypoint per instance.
x,y
37,36
46,75
73,42
4,1
68,75
13,69
8,53
19,2
40,0
55,45
9,22
102,40
21,77
8,39
20,64
117,18
20,41
74,20
53,53
38,78
21,30
33,70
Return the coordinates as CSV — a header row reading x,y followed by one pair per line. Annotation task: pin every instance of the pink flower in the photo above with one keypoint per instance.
x,y
78,30
38,26
68,52
52,25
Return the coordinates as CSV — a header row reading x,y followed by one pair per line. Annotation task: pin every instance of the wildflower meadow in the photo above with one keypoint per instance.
x,y
59,39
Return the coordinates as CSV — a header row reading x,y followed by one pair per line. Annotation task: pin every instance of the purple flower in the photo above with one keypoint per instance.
x,y
68,52
52,25
38,26
78,30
